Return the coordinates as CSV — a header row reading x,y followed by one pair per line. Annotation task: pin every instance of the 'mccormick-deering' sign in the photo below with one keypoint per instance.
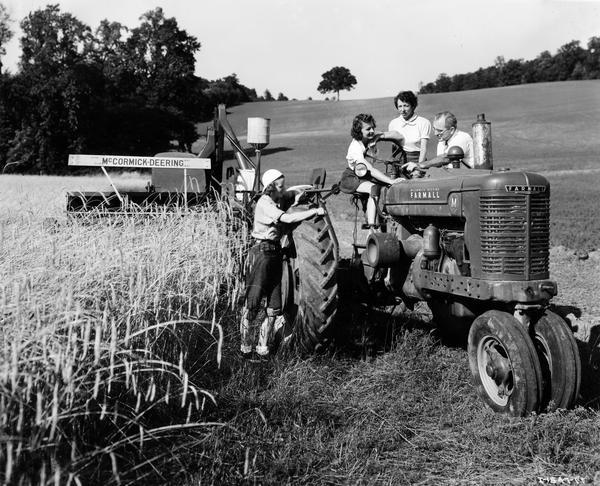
x,y
139,162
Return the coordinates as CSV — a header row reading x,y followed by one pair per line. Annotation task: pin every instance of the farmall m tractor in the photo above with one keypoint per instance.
x,y
471,243
474,245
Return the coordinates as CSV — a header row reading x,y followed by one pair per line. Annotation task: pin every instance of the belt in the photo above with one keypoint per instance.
x,y
270,244
412,156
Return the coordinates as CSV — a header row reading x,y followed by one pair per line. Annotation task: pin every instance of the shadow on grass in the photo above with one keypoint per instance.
x,y
589,353
590,370
370,331
367,331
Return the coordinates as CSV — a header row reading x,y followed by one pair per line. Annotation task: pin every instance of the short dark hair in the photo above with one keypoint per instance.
x,y
406,97
356,131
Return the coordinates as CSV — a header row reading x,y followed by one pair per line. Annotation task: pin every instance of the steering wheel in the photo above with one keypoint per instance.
x,y
398,162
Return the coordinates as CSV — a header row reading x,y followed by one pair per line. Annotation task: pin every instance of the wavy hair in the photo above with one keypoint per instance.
x,y
406,97
356,131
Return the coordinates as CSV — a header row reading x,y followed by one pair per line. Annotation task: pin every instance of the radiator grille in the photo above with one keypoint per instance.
x,y
515,231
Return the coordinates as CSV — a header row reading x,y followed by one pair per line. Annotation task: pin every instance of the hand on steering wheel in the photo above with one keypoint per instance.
x,y
411,170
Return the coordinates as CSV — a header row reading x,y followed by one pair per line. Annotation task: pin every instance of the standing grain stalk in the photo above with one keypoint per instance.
x,y
101,322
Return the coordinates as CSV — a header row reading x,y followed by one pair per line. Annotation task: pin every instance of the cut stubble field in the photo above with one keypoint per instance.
x,y
96,314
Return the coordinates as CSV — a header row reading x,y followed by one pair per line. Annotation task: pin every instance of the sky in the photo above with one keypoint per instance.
x,y
389,45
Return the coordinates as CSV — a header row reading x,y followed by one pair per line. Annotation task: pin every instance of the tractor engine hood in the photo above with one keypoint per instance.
x,y
443,192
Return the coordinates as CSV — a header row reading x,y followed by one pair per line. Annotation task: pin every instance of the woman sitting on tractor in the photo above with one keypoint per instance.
x,y
361,176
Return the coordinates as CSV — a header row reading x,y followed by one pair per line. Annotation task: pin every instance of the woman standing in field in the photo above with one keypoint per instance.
x,y
363,145
415,129
265,259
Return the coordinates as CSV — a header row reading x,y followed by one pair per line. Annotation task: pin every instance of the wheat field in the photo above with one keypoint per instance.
x,y
103,322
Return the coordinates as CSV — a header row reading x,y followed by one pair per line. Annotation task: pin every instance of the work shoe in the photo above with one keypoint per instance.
x,y
262,353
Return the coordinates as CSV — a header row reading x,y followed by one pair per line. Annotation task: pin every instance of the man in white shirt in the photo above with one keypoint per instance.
x,y
448,135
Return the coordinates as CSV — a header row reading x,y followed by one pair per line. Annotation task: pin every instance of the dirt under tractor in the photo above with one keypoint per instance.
x,y
471,243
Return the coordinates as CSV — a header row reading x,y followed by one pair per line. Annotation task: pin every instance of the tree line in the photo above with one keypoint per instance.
x,y
113,90
571,62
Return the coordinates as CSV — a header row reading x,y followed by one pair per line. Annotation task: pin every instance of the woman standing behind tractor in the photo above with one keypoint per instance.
x,y
265,259
415,129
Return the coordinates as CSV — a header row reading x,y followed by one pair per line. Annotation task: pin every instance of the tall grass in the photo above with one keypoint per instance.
x,y
108,327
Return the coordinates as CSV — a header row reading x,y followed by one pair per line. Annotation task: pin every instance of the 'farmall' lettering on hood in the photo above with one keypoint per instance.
x,y
524,188
425,193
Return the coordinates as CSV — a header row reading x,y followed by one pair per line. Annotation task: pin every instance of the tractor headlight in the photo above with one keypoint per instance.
x,y
361,170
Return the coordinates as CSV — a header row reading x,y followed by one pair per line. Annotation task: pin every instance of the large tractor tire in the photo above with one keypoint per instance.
x,y
315,283
504,364
559,357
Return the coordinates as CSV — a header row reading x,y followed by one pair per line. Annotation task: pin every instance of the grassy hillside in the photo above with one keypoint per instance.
x,y
550,128
539,126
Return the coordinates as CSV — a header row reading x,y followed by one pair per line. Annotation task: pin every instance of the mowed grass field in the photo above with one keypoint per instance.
x,y
118,345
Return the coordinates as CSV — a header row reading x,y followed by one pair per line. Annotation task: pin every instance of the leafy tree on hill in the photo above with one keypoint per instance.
x,y
162,58
5,31
570,62
7,118
268,96
591,65
282,97
336,79
228,90
57,86
113,90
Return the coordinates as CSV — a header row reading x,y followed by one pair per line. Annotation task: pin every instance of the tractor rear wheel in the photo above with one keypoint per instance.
x,y
315,282
559,357
504,364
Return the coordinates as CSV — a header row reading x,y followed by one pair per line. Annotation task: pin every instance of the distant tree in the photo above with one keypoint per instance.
x,y
252,94
309,98
567,57
229,91
152,93
57,86
336,79
5,31
443,83
110,55
162,58
268,96
8,122
544,68
513,72
570,62
592,59
282,97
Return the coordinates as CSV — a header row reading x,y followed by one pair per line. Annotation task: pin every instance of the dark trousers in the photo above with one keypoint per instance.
x,y
263,278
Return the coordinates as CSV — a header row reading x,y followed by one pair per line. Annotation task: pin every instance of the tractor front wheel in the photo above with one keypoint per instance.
x,y
504,364
559,357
